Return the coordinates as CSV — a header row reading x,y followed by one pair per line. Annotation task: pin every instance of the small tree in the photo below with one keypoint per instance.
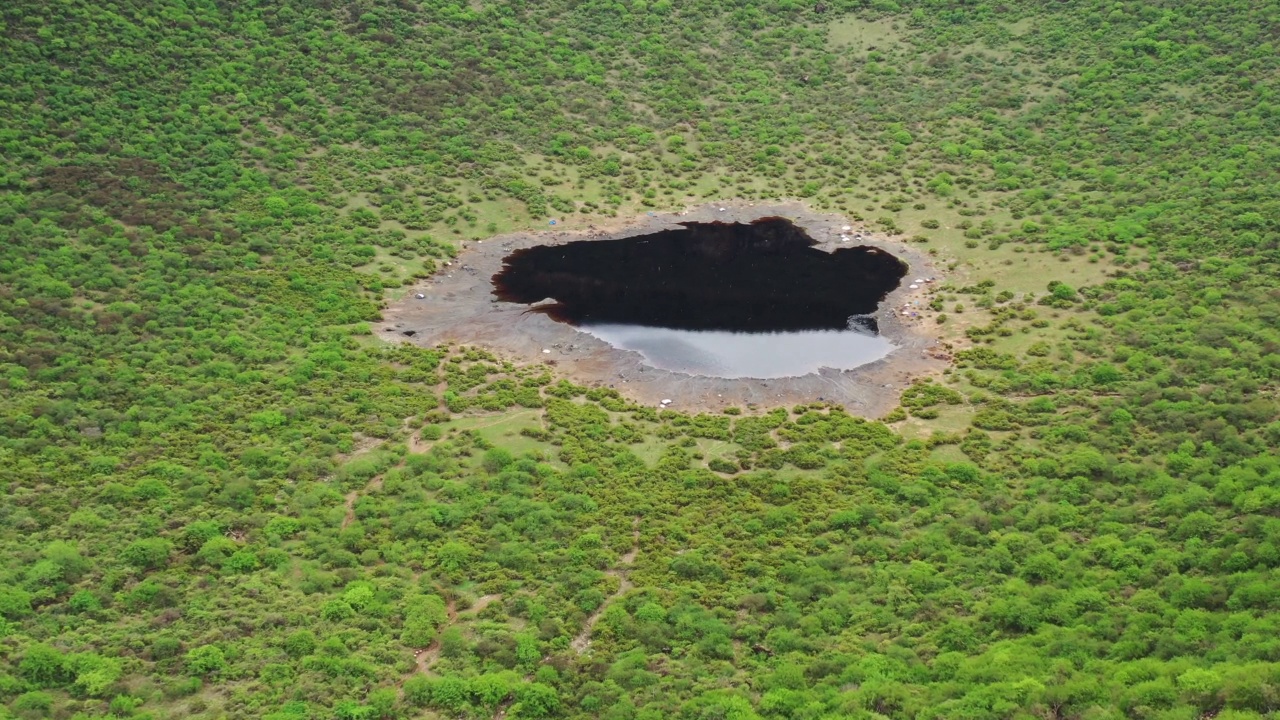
x,y
206,660
148,554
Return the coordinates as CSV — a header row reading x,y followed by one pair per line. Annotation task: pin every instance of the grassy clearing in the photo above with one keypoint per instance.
x,y
948,453
504,429
650,450
392,270
951,419
1025,269
859,37
716,449
1016,267
1026,337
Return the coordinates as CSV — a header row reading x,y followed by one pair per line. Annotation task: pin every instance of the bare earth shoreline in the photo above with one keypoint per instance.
x,y
459,307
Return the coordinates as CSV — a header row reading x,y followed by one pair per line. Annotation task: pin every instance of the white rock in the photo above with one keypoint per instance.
x,y
913,287
546,351
666,402
846,228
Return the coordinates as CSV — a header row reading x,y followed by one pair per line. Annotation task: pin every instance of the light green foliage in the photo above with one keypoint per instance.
x,y
206,660
43,666
34,704
423,616
147,554
15,603
95,675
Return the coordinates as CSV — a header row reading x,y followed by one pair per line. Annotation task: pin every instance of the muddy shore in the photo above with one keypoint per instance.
x,y
459,307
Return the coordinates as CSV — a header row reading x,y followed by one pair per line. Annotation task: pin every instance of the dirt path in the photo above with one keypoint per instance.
x,y
425,658
502,419
417,446
481,603
351,509
375,483
582,642
362,445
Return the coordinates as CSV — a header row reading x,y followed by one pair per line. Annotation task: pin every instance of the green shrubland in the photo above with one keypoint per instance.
x,y
222,497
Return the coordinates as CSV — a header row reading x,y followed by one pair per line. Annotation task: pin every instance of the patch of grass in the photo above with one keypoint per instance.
x,y
504,430
516,419
951,419
857,35
650,450
1019,342
1015,266
392,271
948,453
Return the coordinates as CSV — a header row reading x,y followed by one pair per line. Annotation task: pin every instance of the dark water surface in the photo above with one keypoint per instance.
x,y
720,299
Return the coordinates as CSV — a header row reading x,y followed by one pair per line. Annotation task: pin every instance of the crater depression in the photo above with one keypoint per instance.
x,y
720,299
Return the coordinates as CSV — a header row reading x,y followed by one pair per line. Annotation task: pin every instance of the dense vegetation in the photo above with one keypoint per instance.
x,y
222,497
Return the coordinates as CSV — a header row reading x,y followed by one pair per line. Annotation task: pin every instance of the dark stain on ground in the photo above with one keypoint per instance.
x,y
763,276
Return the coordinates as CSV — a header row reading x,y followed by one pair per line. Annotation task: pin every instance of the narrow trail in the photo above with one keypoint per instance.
x,y
481,603
362,445
504,418
425,658
351,508
417,446
375,483
621,571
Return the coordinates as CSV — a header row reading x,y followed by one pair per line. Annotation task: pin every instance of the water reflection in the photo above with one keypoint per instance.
x,y
728,300
720,353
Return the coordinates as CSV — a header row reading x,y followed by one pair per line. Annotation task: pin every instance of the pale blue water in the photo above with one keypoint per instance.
x,y
745,355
